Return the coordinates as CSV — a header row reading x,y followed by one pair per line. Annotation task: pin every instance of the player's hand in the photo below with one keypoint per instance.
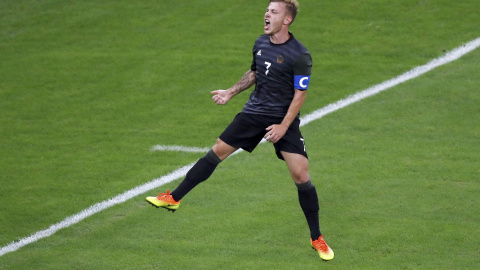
x,y
221,97
275,133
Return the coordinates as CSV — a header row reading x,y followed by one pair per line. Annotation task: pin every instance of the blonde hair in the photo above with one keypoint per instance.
x,y
292,7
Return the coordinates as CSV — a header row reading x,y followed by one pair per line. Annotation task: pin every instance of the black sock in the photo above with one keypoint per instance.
x,y
200,172
307,195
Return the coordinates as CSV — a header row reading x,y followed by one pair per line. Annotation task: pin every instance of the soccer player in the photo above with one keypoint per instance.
x,y
280,70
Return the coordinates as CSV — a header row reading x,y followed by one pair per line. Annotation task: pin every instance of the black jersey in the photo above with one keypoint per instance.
x,y
279,70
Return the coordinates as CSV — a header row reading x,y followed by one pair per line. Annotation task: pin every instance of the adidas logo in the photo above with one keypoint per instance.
x,y
259,52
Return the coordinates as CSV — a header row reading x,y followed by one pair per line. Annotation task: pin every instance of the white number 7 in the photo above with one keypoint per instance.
x,y
268,66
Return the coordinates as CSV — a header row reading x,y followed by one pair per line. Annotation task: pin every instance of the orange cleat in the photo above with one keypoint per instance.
x,y
164,200
324,251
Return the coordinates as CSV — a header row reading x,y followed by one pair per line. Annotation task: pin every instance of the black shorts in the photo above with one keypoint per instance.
x,y
247,130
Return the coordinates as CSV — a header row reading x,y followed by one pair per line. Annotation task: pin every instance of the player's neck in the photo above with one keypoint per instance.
x,y
280,37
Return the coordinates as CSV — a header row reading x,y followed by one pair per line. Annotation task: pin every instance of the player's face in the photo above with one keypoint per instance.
x,y
276,17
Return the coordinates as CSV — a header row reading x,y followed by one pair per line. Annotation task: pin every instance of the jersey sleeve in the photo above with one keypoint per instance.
x,y
253,67
302,69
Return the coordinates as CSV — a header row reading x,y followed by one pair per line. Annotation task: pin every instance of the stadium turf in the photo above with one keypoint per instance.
x,y
88,87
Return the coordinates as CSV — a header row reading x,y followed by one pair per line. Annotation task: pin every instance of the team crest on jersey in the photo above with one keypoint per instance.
x,y
280,59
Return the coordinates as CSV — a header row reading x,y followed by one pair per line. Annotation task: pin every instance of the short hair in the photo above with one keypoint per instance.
x,y
292,7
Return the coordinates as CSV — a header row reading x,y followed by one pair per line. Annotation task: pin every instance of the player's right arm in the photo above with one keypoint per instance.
x,y
221,97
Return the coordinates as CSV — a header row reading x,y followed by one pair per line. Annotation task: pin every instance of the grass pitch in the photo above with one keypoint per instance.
x,y
87,88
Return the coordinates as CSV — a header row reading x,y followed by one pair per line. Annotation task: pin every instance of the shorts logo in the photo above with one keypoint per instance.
x,y
301,82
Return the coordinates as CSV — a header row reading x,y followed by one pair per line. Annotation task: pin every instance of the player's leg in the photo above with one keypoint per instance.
x,y
291,148
200,172
243,132
307,193
308,198
203,169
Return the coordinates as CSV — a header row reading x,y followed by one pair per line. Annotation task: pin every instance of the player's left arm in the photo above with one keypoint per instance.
x,y
276,132
301,70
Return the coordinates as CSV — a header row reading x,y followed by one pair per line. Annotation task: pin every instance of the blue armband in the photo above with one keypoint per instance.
x,y
301,81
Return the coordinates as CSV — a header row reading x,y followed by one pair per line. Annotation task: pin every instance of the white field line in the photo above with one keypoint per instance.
x,y
96,208
179,173
420,70
179,148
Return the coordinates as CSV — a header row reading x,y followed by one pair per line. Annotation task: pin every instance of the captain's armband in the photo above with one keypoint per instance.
x,y
301,82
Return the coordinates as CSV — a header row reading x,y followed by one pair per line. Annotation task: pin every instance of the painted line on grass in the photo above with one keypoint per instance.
x,y
179,173
69,221
179,148
411,74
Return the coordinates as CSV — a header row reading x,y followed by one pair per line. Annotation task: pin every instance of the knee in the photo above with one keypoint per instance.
x,y
298,167
301,176
223,150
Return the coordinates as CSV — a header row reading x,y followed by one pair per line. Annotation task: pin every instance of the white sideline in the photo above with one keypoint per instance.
x,y
71,220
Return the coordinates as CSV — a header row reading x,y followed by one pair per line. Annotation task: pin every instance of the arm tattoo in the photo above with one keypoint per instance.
x,y
247,80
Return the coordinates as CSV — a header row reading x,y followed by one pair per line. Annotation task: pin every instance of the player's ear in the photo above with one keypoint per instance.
x,y
288,20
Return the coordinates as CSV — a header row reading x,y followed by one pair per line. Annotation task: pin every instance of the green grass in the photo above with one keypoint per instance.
x,y
87,88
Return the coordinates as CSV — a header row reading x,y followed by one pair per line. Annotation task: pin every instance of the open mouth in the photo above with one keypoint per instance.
x,y
267,23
